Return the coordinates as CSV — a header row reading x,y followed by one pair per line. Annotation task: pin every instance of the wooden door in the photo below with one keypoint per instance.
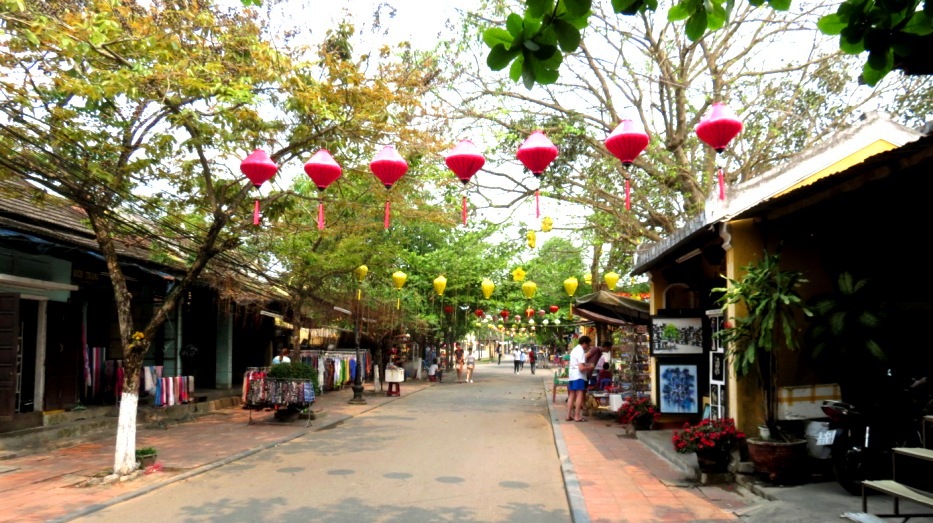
x,y
9,341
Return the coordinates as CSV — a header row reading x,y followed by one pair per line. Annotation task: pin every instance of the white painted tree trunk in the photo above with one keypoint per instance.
x,y
377,383
124,457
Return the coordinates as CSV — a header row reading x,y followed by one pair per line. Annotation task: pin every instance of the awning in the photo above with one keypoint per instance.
x,y
606,307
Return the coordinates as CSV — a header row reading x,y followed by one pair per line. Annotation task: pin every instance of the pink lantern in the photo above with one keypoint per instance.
x,y
536,153
389,167
323,171
717,129
465,160
541,312
259,168
626,142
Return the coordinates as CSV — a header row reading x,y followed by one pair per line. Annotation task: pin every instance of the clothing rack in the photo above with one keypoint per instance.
x,y
278,393
337,367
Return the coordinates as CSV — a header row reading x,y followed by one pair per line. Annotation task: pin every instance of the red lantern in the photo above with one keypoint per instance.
x,y
536,153
323,171
529,312
448,309
259,168
553,308
479,313
465,160
389,167
504,313
717,129
626,142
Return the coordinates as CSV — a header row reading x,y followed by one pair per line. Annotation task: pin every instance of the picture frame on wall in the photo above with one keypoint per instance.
x,y
717,367
678,387
676,336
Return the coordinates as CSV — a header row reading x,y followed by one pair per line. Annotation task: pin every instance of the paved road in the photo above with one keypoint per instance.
x,y
456,452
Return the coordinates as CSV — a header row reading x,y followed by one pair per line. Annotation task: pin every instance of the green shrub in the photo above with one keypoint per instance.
x,y
146,451
295,370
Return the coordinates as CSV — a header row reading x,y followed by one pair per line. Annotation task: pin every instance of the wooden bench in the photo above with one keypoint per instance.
x,y
898,490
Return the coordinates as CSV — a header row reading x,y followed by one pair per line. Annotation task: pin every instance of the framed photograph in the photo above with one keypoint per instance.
x,y
714,395
677,388
676,336
717,370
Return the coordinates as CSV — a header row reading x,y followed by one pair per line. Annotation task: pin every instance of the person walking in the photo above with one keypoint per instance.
x,y
470,365
576,376
517,358
458,355
532,358
499,354
521,366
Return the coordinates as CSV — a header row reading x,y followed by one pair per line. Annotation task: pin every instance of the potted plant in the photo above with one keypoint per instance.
x,y
711,440
773,307
638,412
146,456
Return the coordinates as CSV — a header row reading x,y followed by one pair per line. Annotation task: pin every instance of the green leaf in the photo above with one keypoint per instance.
x,y
577,8
851,45
515,72
717,17
496,35
33,39
515,24
681,11
528,74
779,5
544,74
627,7
831,24
499,57
531,45
920,24
538,8
568,36
696,25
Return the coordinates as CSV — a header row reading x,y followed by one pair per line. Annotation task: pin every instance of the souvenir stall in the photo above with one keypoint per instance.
x,y
337,368
286,396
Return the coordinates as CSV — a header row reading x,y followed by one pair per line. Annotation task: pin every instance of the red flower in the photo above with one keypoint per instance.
x,y
706,434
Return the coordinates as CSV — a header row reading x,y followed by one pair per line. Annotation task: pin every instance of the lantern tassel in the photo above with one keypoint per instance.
x,y
398,303
463,210
385,221
722,185
628,195
537,203
359,294
256,212
320,216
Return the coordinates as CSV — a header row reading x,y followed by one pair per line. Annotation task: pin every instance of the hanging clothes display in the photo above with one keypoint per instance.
x,y
103,378
263,391
337,369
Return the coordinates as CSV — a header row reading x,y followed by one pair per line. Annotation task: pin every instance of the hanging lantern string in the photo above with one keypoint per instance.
x,y
463,207
722,183
320,213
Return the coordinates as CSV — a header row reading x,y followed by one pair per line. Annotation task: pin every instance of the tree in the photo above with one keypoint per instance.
x,y
665,82
102,99
894,34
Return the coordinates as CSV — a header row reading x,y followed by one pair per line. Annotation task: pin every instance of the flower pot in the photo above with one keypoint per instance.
x,y
779,460
713,460
148,460
643,423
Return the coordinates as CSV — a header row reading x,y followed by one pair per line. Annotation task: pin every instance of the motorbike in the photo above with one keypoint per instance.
x,y
863,437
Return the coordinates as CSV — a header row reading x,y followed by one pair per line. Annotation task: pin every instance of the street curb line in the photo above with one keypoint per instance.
x,y
209,466
578,512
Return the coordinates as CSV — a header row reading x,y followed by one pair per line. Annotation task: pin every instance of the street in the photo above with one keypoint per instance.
x,y
453,452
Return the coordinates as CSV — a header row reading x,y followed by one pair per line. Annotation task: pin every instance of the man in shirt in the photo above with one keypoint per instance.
x,y
576,376
517,358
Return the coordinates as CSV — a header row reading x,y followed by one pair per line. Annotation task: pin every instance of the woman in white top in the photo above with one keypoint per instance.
x,y
470,365
281,358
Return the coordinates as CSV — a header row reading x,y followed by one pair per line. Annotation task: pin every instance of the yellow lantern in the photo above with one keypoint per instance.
x,y
529,288
398,279
532,239
588,279
570,285
611,279
518,274
488,286
440,283
360,274
547,224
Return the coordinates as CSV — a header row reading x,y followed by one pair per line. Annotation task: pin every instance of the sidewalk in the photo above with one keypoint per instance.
x,y
613,477
62,484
